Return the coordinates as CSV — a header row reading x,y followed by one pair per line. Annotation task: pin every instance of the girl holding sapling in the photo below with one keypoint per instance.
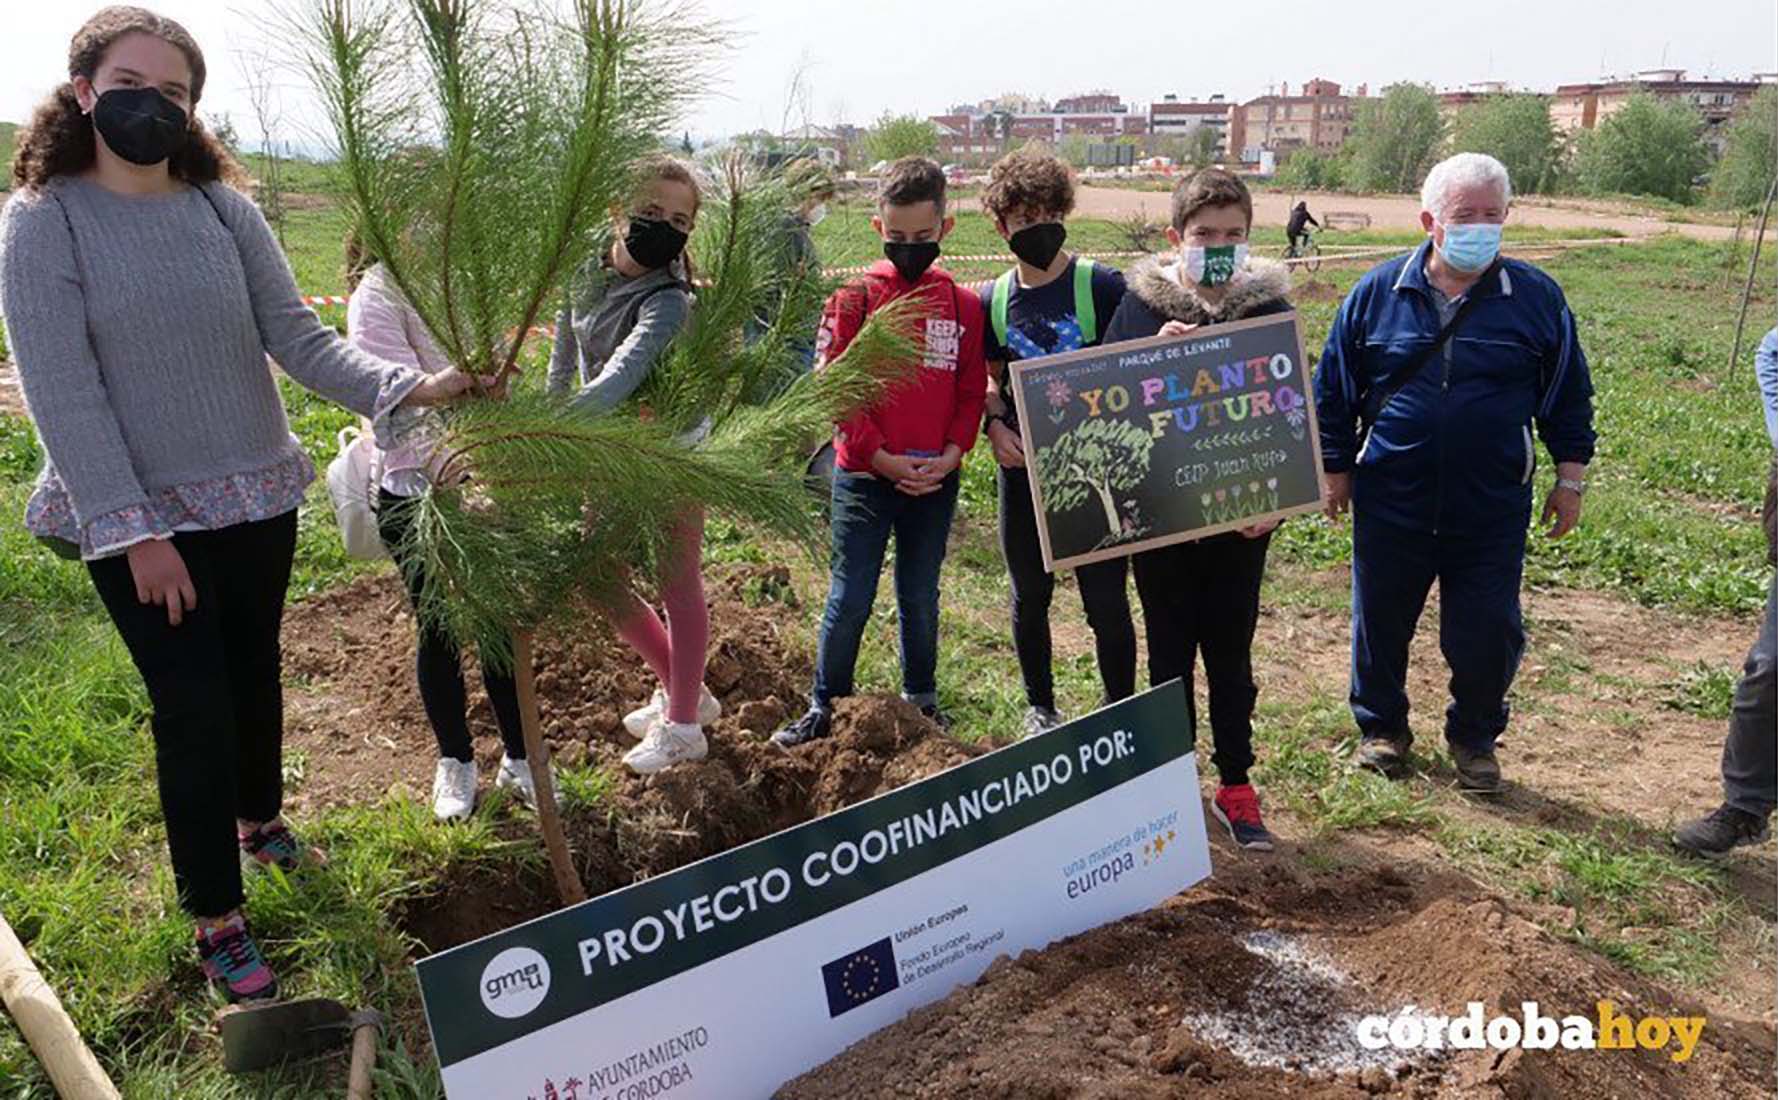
x,y
624,310
142,295
380,321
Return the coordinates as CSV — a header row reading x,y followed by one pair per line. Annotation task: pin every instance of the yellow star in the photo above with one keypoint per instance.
x,y
1160,844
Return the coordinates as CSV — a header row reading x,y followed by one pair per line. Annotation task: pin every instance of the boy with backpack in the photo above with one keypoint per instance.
x,y
1051,302
898,459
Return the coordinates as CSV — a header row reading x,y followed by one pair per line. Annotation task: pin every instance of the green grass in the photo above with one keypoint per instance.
x,y
1669,523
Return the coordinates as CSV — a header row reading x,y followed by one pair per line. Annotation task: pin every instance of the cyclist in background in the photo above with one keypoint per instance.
x,y
1298,236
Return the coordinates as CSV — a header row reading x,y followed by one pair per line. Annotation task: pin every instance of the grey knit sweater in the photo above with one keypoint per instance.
x,y
141,326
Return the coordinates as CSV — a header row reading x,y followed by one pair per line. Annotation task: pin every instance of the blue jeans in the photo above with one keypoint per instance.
x,y
1480,628
866,511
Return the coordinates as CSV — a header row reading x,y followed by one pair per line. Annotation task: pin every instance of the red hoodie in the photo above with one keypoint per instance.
x,y
942,402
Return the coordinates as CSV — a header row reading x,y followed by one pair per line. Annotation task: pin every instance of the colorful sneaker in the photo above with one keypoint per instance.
x,y
232,962
516,776
1237,807
811,726
273,845
667,744
640,721
1040,720
453,789
1721,832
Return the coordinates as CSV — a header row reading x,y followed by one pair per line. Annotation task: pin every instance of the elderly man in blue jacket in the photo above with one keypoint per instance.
x,y
1437,369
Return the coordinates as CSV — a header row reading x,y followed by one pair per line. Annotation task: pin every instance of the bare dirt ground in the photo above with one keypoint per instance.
x,y
1244,986
1402,212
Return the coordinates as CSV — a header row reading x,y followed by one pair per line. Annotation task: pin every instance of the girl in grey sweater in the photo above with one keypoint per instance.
x,y
625,309
142,296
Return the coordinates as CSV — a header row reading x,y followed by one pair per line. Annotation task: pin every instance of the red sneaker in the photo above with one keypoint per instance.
x,y
1237,807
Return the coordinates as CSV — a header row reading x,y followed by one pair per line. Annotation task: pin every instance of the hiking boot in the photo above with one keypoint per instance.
x,y
939,718
640,721
816,724
232,962
274,845
1722,831
453,789
1039,720
667,744
1477,771
1237,807
515,776
1386,755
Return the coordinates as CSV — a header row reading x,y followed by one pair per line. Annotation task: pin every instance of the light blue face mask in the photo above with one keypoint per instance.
x,y
1471,247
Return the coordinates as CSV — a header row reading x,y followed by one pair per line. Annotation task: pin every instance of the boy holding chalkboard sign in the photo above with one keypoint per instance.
x,y
1051,303
1203,596
897,460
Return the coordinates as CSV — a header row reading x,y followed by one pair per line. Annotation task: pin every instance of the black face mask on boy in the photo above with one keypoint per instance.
x,y
911,258
654,243
141,125
1038,245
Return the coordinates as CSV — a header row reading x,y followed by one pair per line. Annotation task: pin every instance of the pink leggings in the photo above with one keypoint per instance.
x,y
677,650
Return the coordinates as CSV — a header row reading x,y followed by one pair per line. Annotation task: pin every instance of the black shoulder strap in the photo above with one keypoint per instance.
x,y
1379,397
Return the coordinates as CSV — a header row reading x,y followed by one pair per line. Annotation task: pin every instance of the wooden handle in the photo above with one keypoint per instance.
x,y
72,1069
364,1059
561,860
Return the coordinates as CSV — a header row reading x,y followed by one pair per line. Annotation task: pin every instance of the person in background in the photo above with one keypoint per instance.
x,y
1295,231
1765,370
1050,303
1203,596
898,458
1437,368
142,295
381,322
1750,754
628,305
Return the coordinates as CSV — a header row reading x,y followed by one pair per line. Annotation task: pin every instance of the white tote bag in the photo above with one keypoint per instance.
x,y
352,483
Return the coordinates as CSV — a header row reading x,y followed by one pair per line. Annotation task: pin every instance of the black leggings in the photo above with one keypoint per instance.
x,y
213,682
438,663
1103,593
1204,597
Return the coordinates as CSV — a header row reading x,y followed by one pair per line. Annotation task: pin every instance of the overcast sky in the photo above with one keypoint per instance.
x,y
864,57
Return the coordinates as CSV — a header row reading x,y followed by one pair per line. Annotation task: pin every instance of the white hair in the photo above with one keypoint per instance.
x,y
1460,172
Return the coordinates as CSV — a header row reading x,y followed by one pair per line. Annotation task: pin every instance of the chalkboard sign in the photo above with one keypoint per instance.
x,y
1168,439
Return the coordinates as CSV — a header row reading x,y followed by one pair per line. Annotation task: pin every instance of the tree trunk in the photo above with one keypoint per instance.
x,y
1111,520
561,860
72,1069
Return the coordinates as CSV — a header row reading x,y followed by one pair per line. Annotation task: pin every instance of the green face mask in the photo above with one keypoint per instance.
x,y
1213,266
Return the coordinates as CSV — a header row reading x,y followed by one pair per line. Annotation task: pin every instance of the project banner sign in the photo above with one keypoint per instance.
x,y
1156,441
727,978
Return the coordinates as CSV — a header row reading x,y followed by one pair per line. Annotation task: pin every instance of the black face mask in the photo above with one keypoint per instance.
x,y
1038,245
911,258
653,243
141,125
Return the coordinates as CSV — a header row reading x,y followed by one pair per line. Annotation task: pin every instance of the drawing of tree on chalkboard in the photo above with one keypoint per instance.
x,y
1095,460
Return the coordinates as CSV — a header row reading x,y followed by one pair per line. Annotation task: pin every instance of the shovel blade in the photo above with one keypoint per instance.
x,y
268,1035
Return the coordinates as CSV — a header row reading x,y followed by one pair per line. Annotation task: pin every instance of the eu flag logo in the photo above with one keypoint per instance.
x,y
860,976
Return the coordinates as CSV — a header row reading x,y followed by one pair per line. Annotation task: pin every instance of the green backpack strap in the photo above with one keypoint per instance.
x,y
997,307
1083,302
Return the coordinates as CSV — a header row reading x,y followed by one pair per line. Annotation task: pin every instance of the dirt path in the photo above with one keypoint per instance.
x,y
1401,212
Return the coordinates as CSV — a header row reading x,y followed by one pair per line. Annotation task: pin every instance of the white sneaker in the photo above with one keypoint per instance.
x,y
515,776
640,721
453,789
667,744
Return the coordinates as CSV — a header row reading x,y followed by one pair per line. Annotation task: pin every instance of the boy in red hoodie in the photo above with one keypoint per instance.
x,y
897,460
